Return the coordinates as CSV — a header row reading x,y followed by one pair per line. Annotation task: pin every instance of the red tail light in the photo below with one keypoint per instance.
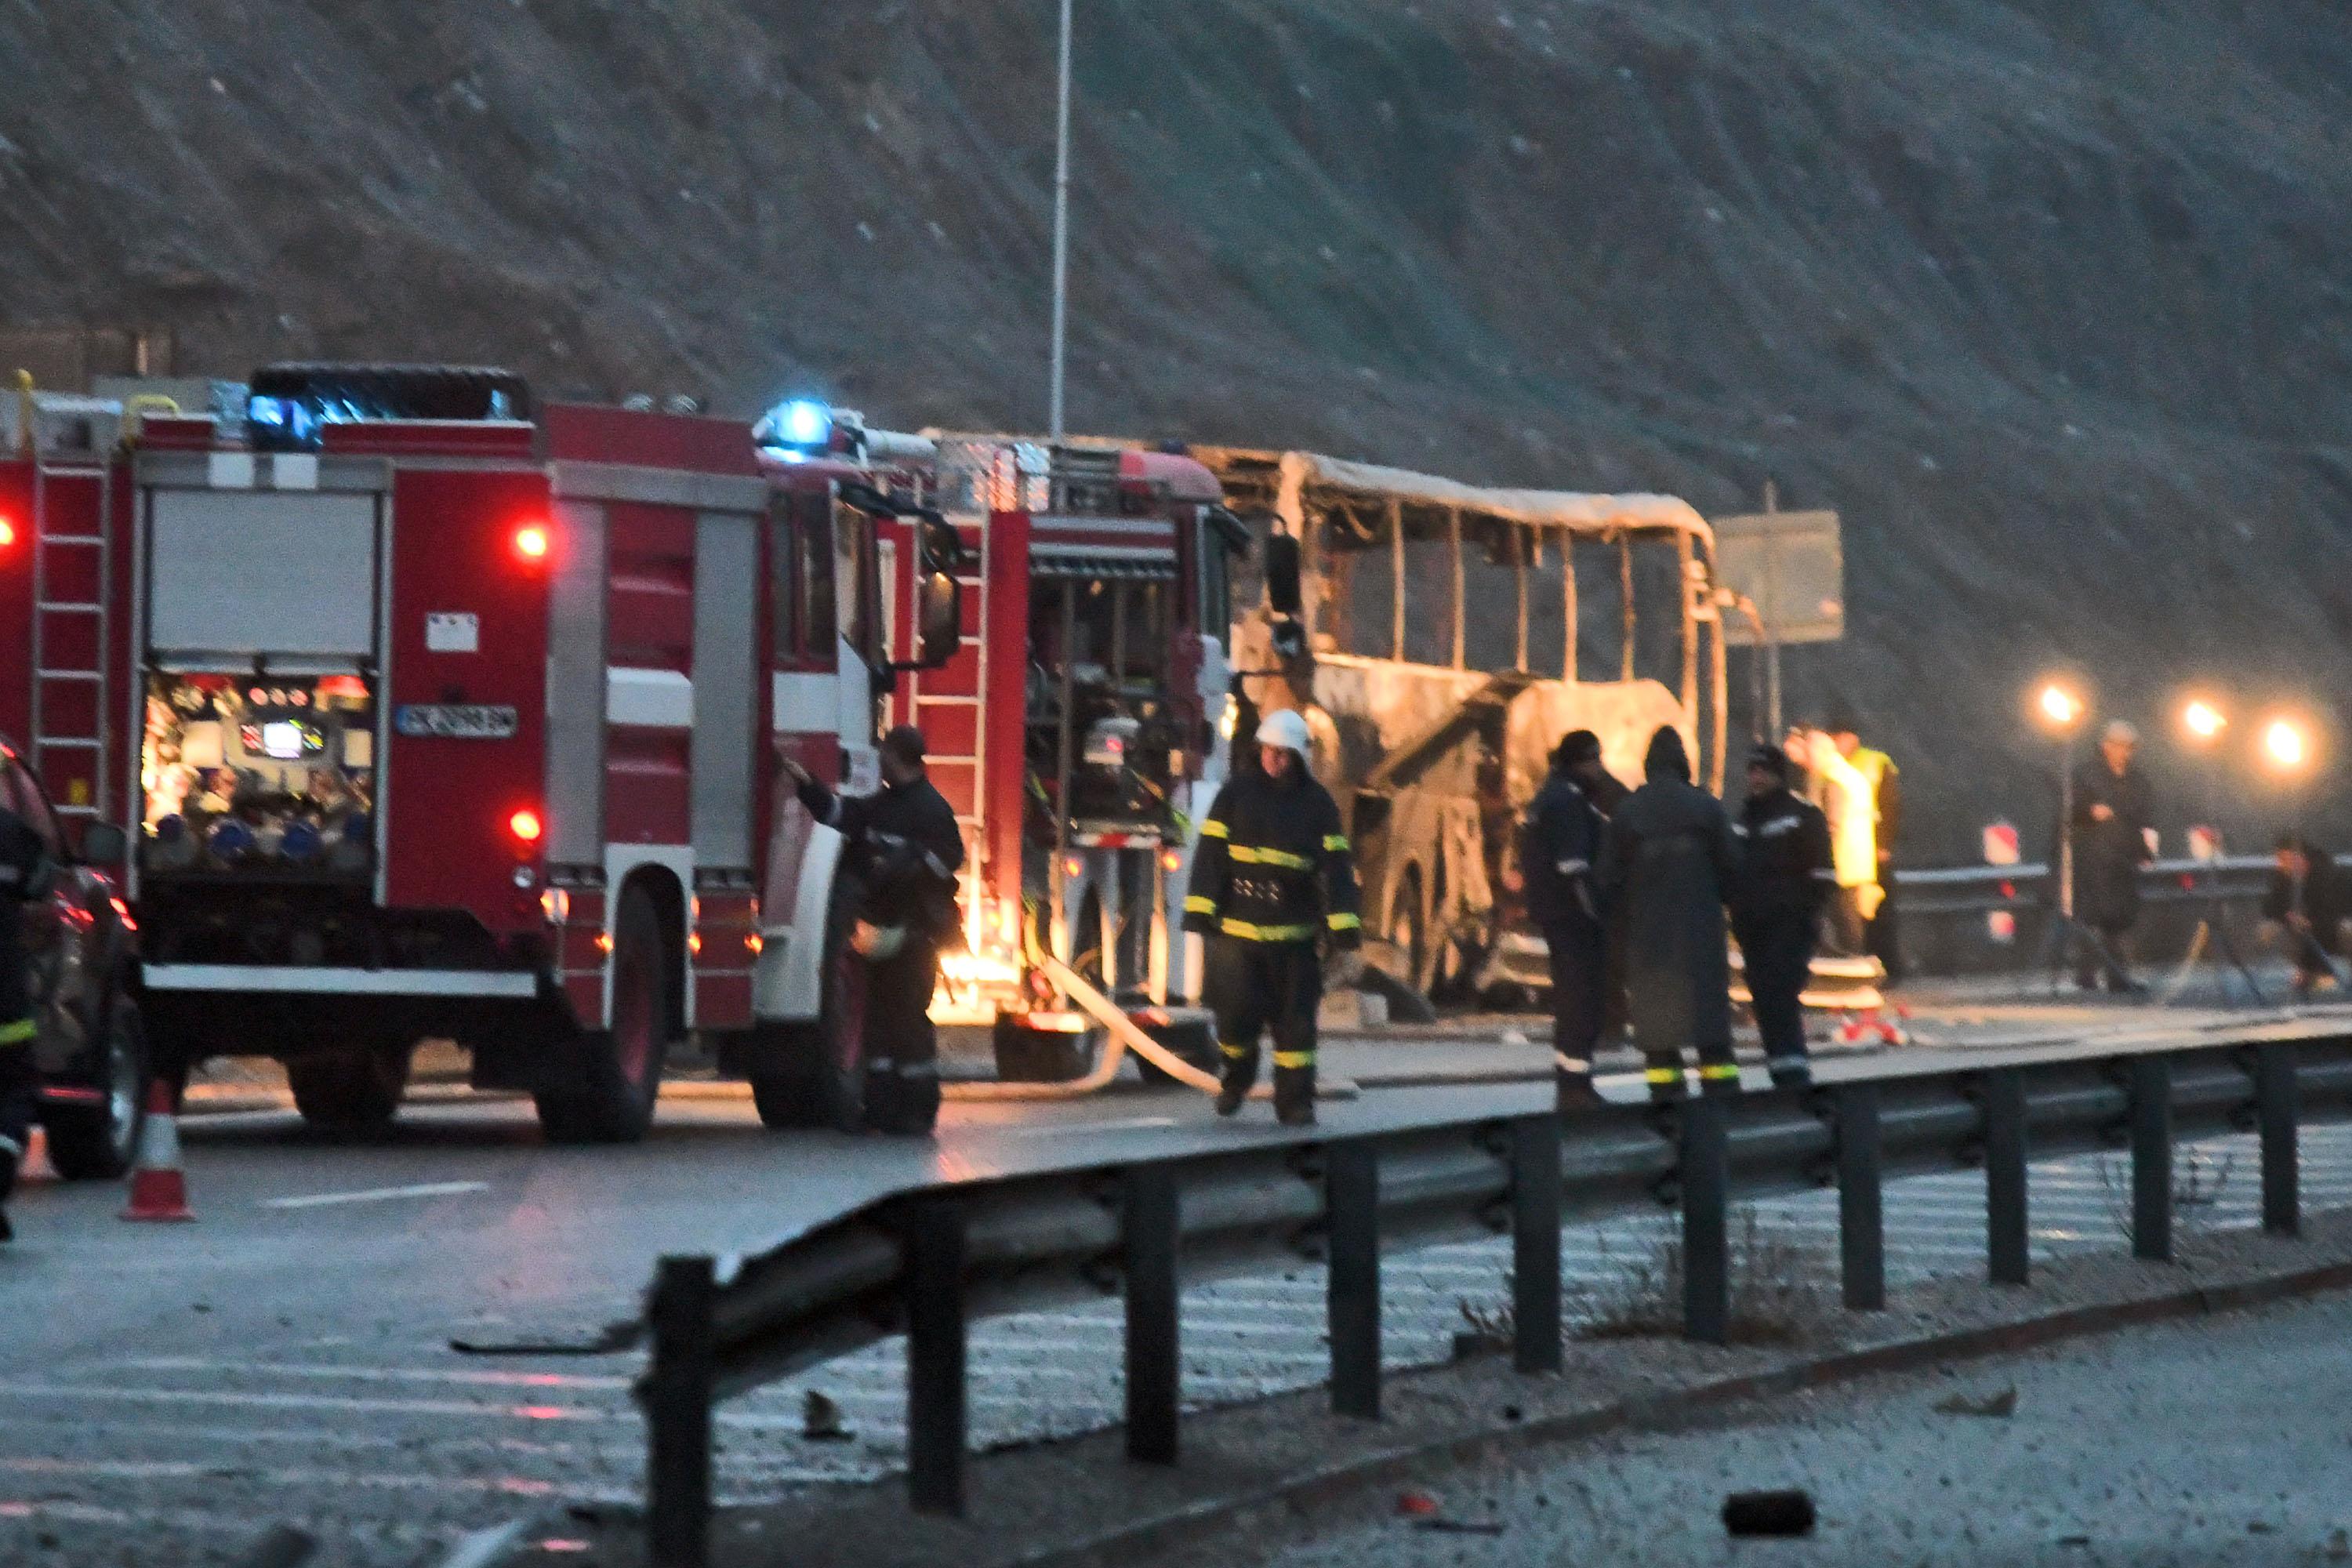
x,y
526,827
7,534
531,542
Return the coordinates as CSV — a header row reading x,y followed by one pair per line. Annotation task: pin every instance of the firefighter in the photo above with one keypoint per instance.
x,y
1786,874
1559,845
1272,877
1882,937
25,873
904,850
1667,863
2307,899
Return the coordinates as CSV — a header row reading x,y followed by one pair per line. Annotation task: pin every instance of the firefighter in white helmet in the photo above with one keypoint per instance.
x,y
1272,880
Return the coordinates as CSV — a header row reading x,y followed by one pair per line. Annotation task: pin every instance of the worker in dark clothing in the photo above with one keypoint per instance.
x,y
1882,936
1558,849
2111,821
1668,862
25,874
904,850
2309,901
1272,877
1786,874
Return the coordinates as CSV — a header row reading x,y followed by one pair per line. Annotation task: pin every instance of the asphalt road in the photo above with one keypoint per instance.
x,y
2205,1442
167,1391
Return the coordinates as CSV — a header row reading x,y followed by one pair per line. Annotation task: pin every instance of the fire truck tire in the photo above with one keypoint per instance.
x,y
812,1073
97,1141
349,1091
621,1066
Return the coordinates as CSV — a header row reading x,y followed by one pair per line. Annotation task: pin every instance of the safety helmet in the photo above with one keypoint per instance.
x,y
1285,728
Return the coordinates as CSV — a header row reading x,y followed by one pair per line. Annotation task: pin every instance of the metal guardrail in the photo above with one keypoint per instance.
x,y
926,1261
1963,889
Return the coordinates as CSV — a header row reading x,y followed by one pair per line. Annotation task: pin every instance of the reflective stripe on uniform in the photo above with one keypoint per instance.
x,y
1199,904
1341,920
17,1033
1212,828
1719,1070
1249,932
1254,854
1663,1074
1236,1052
1335,843
1294,1060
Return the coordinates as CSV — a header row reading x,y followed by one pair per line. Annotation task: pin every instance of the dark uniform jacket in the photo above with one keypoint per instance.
x,y
1273,864
24,876
2321,899
2108,855
1668,865
904,847
1559,848
1786,867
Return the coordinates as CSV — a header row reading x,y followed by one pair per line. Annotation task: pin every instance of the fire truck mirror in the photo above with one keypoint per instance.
x,y
1282,574
939,627
104,843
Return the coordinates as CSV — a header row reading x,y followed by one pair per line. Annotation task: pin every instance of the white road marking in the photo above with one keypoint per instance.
x,y
378,1195
309,1402
482,1378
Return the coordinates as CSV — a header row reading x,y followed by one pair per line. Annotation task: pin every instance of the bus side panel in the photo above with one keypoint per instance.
x,y
448,802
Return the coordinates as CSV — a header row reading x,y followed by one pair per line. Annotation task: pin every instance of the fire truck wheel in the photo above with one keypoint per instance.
x,y
613,1104
813,1074
351,1089
97,1141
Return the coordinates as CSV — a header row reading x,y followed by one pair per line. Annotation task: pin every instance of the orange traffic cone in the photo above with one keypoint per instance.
x,y
159,1187
37,1166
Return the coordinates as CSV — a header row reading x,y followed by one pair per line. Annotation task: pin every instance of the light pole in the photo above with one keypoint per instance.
x,y
1061,230
2203,721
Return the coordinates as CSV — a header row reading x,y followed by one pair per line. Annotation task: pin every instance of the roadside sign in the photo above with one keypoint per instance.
x,y
1792,566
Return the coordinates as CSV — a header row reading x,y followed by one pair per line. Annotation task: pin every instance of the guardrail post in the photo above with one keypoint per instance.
x,y
1535,1242
935,1354
678,1393
1148,1230
2151,1147
1707,1239
2274,1102
1351,1186
2008,1258
1862,1221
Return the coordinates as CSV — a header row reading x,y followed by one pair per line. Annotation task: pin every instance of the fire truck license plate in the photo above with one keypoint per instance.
x,y
455,720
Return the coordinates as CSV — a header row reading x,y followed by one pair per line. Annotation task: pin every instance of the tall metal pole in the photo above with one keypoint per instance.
x,y
1061,228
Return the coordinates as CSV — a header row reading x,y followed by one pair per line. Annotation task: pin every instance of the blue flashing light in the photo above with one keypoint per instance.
x,y
270,411
801,422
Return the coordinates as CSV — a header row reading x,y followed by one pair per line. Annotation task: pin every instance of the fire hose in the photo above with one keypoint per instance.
x,y
1125,1035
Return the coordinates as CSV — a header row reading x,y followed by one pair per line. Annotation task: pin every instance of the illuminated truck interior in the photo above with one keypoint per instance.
x,y
258,776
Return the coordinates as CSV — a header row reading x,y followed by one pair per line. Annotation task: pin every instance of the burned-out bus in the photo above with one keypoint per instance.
x,y
1444,636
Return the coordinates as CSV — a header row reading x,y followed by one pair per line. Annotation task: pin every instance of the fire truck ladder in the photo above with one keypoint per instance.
x,y
70,687
925,703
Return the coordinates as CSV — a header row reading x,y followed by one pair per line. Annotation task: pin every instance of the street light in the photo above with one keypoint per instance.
x,y
2203,720
2286,745
2059,705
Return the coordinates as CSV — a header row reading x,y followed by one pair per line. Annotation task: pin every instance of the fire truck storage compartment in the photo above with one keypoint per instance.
x,y
261,732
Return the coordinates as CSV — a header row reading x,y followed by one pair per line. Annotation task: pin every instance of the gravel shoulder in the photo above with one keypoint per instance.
x,y
1259,1481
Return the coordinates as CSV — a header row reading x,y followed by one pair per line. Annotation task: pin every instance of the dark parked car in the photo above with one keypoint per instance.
x,y
83,947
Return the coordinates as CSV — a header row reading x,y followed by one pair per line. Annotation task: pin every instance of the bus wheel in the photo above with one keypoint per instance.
x,y
812,1072
349,1091
622,1065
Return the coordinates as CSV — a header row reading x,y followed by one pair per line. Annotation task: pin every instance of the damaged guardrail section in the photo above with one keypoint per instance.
x,y
926,1262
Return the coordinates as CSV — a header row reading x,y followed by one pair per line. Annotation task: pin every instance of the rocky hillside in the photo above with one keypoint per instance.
x,y
2048,296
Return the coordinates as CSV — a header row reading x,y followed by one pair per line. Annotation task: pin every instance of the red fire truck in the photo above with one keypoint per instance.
x,y
431,712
